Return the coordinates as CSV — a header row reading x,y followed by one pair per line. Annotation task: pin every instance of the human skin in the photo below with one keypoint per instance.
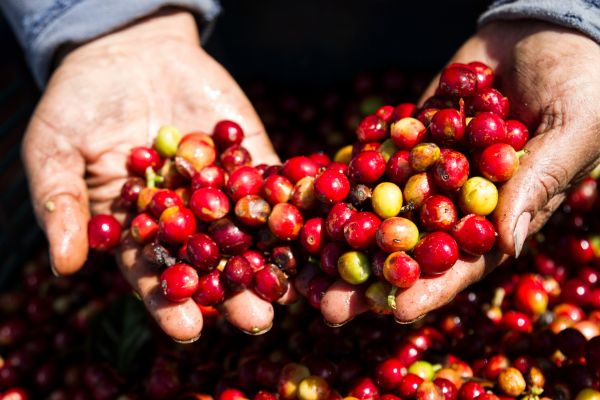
x,y
104,98
552,77
113,93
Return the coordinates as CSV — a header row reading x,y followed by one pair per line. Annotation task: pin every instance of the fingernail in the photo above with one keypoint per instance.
x,y
53,269
257,331
520,232
334,325
187,341
420,317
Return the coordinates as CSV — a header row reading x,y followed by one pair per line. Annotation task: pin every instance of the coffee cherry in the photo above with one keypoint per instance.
x,y
227,133
142,158
270,283
436,253
418,188
530,296
195,152
478,196
289,379
517,134
104,232
447,126
398,168
179,282
162,200
407,132
234,157
143,228
176,224
386,200
423,156
474,234
330,255
511,382
409,385
211,290
438,213
451,171
285,221
167,140
312,235
209,177
389,374
131,190
371,129
485,75
401,270
486,129
209,204
202,252
353,267
252,210
448,388
498,162
303,194
364,389
297,168
277,189
331,187
337,218
242,182
230,237
458,81
367,167
397,234
360,196
360,230
237,273
376,297
490,100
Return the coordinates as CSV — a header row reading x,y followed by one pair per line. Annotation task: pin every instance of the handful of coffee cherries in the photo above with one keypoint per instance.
x,y
400,203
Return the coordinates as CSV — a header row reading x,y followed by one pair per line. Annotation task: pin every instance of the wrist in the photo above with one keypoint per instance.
x,y
168,25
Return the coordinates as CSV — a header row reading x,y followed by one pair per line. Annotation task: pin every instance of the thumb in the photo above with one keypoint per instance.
x,y
55,171
553,158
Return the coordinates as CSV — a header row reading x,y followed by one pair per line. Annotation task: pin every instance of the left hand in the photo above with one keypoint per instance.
x,y
550,74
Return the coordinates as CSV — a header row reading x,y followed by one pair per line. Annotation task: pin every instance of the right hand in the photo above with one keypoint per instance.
x,y
110,95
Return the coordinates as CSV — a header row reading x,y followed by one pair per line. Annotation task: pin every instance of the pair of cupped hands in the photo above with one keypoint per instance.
x,y
113,93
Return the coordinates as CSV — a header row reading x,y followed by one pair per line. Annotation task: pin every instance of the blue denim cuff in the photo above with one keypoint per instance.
x,y
42,26
581,15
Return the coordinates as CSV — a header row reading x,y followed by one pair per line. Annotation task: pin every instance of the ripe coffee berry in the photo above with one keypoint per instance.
x,y
179,282
104,232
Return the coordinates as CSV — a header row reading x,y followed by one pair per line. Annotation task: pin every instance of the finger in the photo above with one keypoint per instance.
x,y
430,293
248,312
552,160
181,321
342,302
55,172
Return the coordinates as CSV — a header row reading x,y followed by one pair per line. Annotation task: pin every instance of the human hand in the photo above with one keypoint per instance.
x,y
550,74
108,96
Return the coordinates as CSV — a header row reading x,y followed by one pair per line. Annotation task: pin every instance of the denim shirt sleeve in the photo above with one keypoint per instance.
x,y
581,15
41,26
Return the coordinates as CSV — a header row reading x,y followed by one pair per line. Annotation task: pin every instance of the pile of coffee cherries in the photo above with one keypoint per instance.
x,y
400,203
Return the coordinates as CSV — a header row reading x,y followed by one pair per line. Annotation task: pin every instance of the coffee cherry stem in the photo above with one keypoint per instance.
x,y
522,152
498,298
391,298
152,178
410,206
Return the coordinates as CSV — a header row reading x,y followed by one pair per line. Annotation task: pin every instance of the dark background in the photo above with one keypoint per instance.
x,y
297,45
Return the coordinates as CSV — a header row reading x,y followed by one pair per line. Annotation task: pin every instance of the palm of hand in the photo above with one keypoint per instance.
x,y
550,75
79,138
